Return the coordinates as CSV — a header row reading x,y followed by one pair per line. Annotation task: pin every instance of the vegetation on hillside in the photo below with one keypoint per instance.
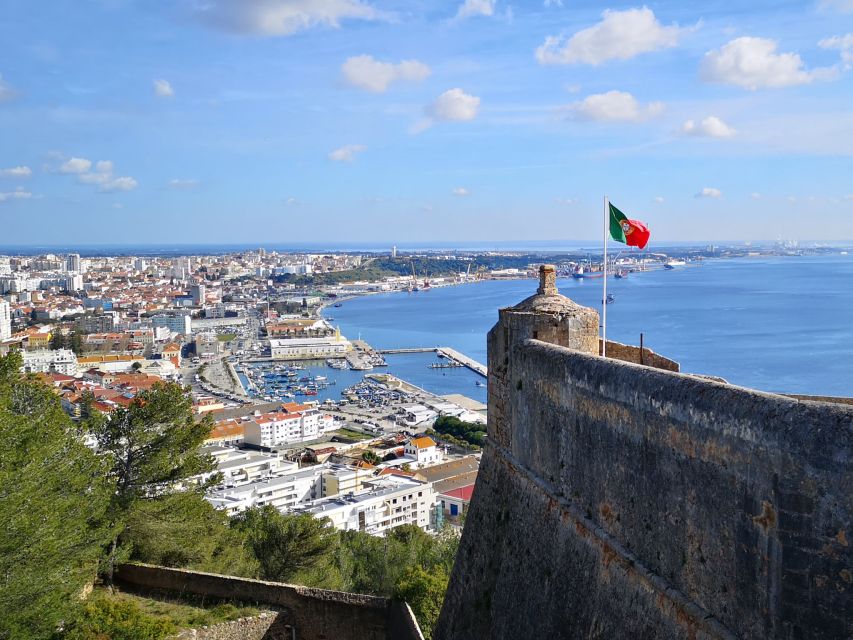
x,y
459,432
70,515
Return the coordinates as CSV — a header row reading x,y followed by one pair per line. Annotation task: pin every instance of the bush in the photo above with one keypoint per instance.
x,y
103,618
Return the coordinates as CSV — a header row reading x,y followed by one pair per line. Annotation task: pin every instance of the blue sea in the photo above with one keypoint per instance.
x,y
781,324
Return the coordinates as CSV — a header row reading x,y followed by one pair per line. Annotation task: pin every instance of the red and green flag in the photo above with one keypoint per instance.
x,y
631,232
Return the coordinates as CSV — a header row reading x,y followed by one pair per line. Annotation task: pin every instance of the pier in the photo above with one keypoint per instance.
x,y
453,355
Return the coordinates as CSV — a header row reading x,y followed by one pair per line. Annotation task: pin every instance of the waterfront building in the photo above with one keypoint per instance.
x,y
306,348
299,328
295,424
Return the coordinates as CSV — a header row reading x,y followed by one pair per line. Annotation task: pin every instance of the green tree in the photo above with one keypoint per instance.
x,y
154,448
54,495
424,591
136,366
75,341
371,458
57,339
287,545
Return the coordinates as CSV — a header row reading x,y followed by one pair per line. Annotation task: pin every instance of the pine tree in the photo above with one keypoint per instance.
x,y
54,496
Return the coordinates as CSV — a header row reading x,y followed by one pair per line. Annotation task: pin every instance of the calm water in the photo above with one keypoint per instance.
x,y
778,324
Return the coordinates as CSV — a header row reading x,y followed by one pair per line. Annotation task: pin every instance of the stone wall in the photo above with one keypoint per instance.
x,y
620,501
312,614
630,353
265,626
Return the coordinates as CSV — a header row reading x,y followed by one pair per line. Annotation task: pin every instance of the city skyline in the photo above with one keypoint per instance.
x,y
475,121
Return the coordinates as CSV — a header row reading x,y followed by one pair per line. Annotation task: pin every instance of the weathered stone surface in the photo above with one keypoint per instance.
x,y
304,613
620,501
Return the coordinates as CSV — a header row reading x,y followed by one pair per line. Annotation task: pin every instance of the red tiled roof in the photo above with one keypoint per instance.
x,y
462,493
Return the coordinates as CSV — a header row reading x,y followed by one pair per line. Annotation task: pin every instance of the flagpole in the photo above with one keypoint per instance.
x,y
604,287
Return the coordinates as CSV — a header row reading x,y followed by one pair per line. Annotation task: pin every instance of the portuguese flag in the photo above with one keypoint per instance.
x,y
631,232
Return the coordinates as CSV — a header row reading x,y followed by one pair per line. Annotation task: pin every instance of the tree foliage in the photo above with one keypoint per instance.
x,y
54,495
467,432
153,447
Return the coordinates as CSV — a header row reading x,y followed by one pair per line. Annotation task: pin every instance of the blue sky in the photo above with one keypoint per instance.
x,y
347,120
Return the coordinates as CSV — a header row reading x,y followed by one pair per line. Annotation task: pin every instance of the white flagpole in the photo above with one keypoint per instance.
x,y
604,286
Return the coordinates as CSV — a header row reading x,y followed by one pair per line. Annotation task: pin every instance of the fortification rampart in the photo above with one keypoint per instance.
x,y
620,501
304,613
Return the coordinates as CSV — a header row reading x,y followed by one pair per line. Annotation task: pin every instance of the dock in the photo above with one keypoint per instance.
x,y
452,355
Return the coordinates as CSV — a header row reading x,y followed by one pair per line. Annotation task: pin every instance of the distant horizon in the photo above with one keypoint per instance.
x,y
532,246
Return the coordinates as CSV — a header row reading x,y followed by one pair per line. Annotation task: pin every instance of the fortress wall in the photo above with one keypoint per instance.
x,y
314,614
630,353
616,500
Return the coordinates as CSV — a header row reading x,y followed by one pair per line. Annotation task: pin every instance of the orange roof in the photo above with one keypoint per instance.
x,y
295,407
423,443
226,429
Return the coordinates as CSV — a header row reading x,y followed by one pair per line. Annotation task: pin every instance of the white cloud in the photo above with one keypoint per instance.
x,y
709,192
614,106
16,172
183,183
365,72
163,88
658,200
619,36
124,183
282,17
849,197
102,176
844,44
552,3
472,8
6,92
461,191
752,63
75,165
455,104
566,201
347,152
711,127
755,196
17,194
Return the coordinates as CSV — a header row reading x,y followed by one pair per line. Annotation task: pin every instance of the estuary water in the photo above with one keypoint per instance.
x,y
781,324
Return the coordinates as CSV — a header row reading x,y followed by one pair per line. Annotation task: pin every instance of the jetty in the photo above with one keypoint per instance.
x,y
452,355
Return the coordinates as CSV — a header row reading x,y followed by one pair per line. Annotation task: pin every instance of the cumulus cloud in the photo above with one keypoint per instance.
x,y
102,175
710,127
17,194
709,192
461,191
452,105
75,165
16,172
844,44
183,183
365,72
6,92
163,88
455,104
614,106
658,200
619,36
282,17
752,63
347,152
472,8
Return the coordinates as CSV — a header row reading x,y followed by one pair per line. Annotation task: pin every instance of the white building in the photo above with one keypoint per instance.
x,y
5,320
72,263
281,428
423,451
239,466
45,361
384,503
307,348
176,322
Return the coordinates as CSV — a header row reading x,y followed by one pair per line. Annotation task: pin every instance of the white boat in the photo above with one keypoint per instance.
x,y
674,264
